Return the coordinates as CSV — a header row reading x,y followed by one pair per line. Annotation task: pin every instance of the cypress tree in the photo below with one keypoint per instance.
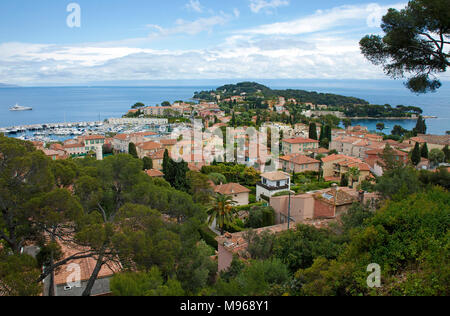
x,y
328,132
322,133
446,151
313,131
148,163
416,155
132,150
421,126
166,163
424,151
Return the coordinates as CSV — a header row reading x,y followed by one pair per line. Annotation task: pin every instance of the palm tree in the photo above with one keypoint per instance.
x,y
222,211
353,174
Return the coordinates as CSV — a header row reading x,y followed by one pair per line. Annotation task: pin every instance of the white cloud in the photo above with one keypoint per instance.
x,y
257,6
193,27
194,5
328,19
287,50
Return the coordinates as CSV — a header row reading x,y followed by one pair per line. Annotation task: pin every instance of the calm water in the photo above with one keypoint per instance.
x,y
73,104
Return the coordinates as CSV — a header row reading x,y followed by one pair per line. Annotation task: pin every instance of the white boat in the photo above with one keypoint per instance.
x,y
20,108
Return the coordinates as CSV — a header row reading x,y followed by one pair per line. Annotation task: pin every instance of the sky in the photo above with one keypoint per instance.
x,y
47,42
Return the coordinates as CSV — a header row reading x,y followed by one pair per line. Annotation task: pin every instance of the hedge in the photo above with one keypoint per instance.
x,y
209,236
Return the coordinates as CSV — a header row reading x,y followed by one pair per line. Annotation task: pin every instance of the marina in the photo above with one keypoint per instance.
x,y
62,131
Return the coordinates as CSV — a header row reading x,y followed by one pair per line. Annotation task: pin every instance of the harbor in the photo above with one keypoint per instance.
x,y
51,132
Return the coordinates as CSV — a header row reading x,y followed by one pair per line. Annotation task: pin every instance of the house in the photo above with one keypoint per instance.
x,y
375,160
65,278
158,158
239,193
323,204
53,154
298,145
231,245
77,149
271,184
168,143
335,166
332,203
355,146
120,143
432,141
153,173
299,163
93,142
147,149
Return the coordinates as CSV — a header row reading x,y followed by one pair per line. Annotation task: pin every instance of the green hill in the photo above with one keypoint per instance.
x,y
253,89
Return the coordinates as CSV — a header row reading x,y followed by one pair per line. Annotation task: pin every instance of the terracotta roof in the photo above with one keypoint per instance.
x,y
300,140
87,266
318,151
154,173
342,197
56,146
276,176
93,137
145,134
149,145
380,152
333,158
299,159
49,152
121,136
168,142
436,139
74,145
230,189
158,154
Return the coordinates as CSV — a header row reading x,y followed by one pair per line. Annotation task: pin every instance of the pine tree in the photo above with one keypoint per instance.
x,y
313,131
415,155
424,151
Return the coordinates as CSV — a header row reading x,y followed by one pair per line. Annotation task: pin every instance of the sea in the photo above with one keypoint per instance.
x,y
96,103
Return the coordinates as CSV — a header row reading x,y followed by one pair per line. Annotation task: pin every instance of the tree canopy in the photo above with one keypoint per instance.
x,y
415,44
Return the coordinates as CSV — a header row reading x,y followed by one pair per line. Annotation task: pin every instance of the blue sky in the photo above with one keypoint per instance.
x,y
186,39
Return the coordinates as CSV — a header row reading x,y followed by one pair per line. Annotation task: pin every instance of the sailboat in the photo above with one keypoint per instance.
x,y
20,108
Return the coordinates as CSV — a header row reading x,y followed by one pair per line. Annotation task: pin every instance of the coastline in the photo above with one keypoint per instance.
x,y
391,118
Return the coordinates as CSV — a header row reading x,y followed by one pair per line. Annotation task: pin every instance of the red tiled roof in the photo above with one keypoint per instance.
x,y
74,145
299,159
333,158
93,137
231,188
149,145
168,142
121,136
154,173
158,155
300,140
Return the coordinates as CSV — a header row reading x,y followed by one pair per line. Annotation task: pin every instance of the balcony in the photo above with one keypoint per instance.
x,y
270,188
